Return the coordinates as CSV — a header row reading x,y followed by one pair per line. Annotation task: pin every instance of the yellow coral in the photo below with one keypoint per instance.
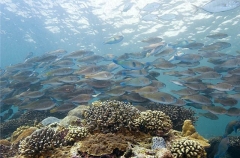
x,y
189,131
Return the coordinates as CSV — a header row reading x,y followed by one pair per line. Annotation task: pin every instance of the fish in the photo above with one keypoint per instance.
x,y
194,45
30,54
137,82
211,75
130,64
127,6
150,7
218,35
81,98
60,71
114,39
189,58
160,97
31,94
152,40
65,107
202,69
79,54
226,101
91,69
134,97
161,63
222,86
217,46
209,115
102,75
231,126
185,91
197,98
69,79
165,52
57,52
116,91
222,147
146,89
41,104
233,111
216,6
196,86
91,59
215,109
182,43
135,73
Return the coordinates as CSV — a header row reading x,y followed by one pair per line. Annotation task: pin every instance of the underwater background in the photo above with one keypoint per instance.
x,y
34,28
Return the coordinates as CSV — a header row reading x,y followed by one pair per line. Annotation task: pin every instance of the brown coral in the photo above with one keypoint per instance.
x,y
110,116
178,114
41,140
185,148
153,122
76,133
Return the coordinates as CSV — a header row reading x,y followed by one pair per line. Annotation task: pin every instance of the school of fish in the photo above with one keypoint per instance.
x,y
59,81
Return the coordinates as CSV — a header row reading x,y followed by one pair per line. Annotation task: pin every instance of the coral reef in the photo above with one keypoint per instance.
x,y
178,114
114,144
110,116
76,133
154,122
6,128
185,148
78,111
40,141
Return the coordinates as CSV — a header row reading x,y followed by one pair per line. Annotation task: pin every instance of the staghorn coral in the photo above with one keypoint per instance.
x,y
153,122
178,114
110,116
76,133
184,148
40,141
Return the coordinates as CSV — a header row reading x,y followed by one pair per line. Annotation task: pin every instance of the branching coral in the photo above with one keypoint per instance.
x,y
76,133
153,122
110,116
41,140
185,148
178,114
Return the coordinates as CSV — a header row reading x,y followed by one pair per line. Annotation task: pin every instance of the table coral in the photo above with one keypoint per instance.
x,y
153,122
110,116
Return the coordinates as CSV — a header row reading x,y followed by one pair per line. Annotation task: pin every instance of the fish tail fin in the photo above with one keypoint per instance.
x,y
123,84
115,61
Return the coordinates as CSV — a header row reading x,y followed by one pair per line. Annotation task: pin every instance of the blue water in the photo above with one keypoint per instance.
x,y
42,26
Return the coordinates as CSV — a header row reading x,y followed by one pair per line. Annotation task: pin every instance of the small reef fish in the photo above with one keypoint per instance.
x,y
215,109
218,35
135,73
160,97
221,87
222,147
41,104
129,64
233,111
226,101
232,126
209,115
102,75
197,98
189,58
57,52
216,6
63,107
79,54
137,82
152,40
146,89
114,39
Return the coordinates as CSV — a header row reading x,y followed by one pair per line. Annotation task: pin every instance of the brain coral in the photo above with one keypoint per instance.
x,y
41,140
153,122
110,116
187,149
